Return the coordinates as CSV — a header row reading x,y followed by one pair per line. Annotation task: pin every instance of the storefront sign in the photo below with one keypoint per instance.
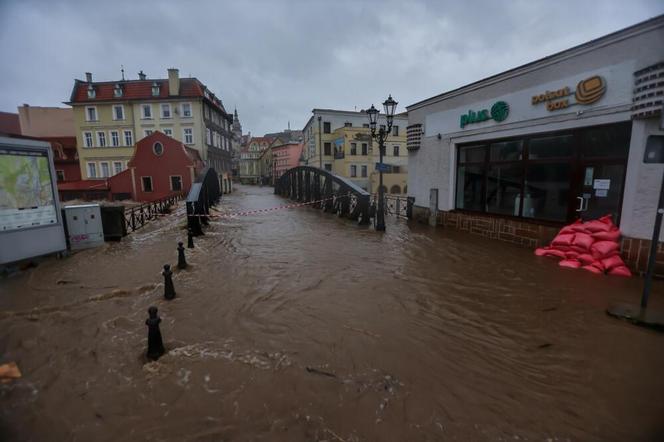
x,y
587,91
499,112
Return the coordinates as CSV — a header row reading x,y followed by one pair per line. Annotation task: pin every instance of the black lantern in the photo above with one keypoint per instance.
x,y
372,112
389,105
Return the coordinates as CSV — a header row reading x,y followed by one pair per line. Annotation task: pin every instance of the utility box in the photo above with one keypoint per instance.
x,y
83,226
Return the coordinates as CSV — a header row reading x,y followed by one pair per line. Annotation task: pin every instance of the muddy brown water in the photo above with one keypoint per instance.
x,y
300,326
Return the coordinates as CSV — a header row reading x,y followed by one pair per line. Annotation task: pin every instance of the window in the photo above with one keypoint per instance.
x,y
115,138
365,149
92,93
348,124
188,137
327,147
208,136
60,174
128,138
165,110
353,170
147,132
186,110
395,150
176,183
87,139
92,170
155,89
146,182
118,112
395,132
551,147
146,110
353,148
395,189
363,170
105,169
168,131
117,167
365,125
158,148
117,91
328,167
90,113
327,127
101,139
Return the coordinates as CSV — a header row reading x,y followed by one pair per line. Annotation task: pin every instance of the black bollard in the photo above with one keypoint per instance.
x,y
169,290
182,261
190,239
155,344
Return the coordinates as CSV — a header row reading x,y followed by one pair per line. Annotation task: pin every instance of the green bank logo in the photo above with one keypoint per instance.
x,y
499,112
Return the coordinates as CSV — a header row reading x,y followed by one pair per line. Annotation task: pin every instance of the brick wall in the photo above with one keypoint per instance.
x,y
532,235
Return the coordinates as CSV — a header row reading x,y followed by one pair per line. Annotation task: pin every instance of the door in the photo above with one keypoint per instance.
x,y
600,190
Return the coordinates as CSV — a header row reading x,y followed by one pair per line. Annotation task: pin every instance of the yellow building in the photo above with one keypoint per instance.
x,y
340,141
110,117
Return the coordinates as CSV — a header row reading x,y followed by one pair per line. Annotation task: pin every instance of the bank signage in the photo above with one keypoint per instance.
x,y
498,112
587,91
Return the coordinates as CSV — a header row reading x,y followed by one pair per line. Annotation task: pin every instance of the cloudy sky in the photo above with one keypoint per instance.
x,y
276,60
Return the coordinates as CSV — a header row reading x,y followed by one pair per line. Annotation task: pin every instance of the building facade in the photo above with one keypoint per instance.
x,y
111,117
340,142
285,156
37,121
517,155
250,169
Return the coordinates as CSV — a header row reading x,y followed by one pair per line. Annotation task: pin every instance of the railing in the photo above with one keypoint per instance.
x,y
204,193
138,216
399,206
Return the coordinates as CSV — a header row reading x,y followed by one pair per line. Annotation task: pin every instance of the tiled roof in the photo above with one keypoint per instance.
x,y
9,124
140,90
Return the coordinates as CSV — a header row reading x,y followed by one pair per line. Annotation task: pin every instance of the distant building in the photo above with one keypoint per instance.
x,y
340,142
111,117
37,121
250,171
9,124
285,156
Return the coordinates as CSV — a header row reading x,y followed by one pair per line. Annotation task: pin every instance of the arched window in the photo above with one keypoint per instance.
x,y
384,189
395,189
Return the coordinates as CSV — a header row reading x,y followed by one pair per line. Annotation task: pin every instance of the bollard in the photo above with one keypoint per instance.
x,y
169,290
182,261
190,239
155,344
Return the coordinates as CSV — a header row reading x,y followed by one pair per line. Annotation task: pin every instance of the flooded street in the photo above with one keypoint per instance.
x,y
296,325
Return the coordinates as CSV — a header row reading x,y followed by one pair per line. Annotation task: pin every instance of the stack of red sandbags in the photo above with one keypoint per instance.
x,y
592,245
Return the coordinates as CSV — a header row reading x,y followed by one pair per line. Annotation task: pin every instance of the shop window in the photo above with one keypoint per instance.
x,y
547,191
506,151
606,142
470,187
472,154
561,146
503,188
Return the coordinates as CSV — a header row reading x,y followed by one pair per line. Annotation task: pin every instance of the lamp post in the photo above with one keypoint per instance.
x,y
380,135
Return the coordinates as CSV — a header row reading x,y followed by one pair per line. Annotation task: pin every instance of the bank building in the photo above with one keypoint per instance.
x,y
515,156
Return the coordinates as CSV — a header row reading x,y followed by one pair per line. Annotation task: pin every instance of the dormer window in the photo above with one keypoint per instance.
x,y
155,89
117,91
92,93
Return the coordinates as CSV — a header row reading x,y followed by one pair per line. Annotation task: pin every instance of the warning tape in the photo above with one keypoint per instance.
x,y
271,209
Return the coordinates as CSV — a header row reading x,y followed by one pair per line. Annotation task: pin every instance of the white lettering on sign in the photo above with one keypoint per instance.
x,y
602,184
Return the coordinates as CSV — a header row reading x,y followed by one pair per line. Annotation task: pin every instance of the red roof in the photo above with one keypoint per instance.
x,y
84,185
140,90
9,124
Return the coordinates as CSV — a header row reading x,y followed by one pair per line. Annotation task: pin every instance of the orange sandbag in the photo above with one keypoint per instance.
x,y
620,271
571,254
597,226
554,253
564,239
541,251
586,259
613,262
570,263
604,249
570,228
593,269
579,228
611,235
583,240
607,219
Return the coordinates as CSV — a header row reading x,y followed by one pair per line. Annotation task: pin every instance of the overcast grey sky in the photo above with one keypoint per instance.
x,y
276,60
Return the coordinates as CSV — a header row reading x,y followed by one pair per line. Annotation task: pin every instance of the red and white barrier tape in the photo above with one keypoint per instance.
x,y
271,209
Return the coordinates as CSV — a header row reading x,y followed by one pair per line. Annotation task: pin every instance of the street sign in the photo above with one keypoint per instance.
x,y
382,167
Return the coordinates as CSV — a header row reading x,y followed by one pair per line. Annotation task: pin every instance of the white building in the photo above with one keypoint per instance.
x,y
517,155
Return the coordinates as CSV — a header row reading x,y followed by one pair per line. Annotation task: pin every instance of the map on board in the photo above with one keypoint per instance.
x,y
26,192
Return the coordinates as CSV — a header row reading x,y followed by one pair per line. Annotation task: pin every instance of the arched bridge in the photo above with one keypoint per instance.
x,y
326,190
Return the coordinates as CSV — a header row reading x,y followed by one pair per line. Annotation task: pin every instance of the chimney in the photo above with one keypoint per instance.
x,y
173,81
88,77
141,75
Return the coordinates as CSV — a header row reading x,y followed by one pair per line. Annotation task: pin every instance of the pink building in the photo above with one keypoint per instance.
x,y
285,156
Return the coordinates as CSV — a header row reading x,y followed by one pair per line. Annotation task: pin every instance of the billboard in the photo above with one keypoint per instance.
x,y
30,219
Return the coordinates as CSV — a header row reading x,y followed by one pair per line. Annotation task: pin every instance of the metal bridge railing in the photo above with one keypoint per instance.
x,y
138,216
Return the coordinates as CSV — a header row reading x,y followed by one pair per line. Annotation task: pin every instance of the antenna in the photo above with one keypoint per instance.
x,y
122,70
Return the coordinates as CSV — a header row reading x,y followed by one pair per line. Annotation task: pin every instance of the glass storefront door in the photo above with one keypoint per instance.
x,y
600,191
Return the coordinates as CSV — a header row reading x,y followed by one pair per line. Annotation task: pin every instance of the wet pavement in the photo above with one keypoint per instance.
x,y
300,326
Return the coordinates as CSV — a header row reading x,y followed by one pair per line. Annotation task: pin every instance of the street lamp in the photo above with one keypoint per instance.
x,y
381,135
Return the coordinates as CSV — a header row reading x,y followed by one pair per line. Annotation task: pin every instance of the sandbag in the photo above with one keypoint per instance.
x,y
620,271
579,228
555,253
592,269
583,240
564,239
570,263
571,228
541,251
586,259
607,219
571,254
613,262
597,226
611,235
604,249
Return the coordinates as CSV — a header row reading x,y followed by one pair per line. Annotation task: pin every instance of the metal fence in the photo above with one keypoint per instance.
x,y
399,206
138,216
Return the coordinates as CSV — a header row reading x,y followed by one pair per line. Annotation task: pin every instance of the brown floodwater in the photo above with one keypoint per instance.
x,y
299,326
